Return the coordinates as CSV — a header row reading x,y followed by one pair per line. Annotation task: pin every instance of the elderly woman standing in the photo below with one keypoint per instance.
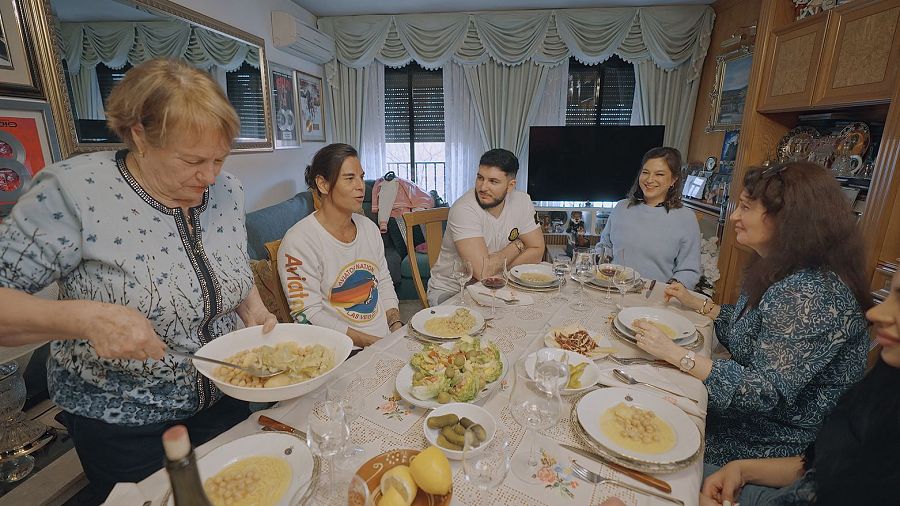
x,y
148,247
797,334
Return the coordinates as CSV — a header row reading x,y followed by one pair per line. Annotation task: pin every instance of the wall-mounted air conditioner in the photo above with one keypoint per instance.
x,y
292,36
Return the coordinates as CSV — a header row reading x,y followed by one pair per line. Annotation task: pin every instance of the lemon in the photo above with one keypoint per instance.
x,y
431,470
400,479
391,497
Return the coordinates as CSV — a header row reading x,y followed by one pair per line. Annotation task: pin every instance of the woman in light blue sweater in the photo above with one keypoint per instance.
x,y
659,237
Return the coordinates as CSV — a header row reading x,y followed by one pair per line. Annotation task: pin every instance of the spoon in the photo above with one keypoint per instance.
x,y
624,377
251,370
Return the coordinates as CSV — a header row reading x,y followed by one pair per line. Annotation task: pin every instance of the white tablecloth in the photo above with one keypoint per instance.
x,y
387,422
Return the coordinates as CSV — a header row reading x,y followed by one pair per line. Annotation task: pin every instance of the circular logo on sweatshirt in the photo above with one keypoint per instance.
x,y
355,292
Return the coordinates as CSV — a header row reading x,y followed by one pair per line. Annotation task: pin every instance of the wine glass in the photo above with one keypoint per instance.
x,y
583,270
326,436
561,267
535,404
462,273
493,277
607,268
347,392
551,364
625,278
486,466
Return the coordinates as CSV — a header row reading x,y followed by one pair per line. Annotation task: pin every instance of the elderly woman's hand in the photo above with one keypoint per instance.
x,y
655,342
683,295
121,332
253,312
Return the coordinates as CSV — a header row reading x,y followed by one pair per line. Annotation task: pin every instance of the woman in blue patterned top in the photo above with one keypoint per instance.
x,y
797,335
148,247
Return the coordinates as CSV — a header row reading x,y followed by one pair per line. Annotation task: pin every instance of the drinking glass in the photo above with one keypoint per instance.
x,y
605,267
625,279
348,394
583,270
462,273
326,437
493,277
486,466
358,493
535,404
561,267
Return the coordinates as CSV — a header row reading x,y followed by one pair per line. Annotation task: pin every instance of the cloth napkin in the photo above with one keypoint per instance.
x,y
648,374
125,493
482,296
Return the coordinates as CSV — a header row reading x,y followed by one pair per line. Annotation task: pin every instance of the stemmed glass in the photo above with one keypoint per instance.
x,y
326,436
536,405
625,278
561,267
583,269
493,277
486,466
605,266
348,394
462,273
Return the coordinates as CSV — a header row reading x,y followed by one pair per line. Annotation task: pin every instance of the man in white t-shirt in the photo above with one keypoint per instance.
x,y
491,219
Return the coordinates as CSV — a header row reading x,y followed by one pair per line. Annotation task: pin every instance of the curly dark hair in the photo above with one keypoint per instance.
x,y
672,158
814,229
327,163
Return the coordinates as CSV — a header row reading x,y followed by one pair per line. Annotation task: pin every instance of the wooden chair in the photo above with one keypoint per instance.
x,y
268,283
433,222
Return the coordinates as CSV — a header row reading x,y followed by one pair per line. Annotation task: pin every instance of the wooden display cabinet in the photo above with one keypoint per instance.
x,y
793,66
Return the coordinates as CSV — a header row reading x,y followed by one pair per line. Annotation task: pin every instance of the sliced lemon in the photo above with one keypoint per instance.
x,y
391,497
400,479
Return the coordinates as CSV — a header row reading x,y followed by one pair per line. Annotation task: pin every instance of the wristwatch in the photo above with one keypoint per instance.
x,y
687,362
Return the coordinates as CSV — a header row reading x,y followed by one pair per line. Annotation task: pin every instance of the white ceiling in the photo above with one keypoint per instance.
x,y
356,7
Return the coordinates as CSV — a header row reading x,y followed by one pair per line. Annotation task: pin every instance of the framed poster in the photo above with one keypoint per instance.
x,y
729,151
28,143
312,118
18,70
730,91
284,98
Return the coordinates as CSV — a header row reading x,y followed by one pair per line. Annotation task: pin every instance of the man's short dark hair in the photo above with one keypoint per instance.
x,y
502,159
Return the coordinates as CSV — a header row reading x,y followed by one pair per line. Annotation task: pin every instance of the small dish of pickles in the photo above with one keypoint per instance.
x,y
583,372
446,426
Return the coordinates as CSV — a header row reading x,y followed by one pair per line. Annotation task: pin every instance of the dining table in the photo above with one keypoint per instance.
x,y
387,422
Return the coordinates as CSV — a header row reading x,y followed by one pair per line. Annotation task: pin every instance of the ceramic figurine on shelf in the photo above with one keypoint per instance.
x,y
575,222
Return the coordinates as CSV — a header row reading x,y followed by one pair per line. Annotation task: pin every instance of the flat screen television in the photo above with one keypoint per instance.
x,y
581,164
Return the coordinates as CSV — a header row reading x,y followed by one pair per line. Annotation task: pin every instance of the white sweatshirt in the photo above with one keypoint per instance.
x,y
335,284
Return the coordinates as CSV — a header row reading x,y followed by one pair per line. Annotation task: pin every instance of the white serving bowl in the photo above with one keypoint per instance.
x,y
473,412
304,335
589,377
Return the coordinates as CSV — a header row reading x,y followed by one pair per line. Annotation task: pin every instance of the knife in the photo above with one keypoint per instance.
x,y
644,478
271,423
650,290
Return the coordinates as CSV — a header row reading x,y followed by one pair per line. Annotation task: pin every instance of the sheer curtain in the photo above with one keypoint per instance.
x,y
463,143
371,143
666,97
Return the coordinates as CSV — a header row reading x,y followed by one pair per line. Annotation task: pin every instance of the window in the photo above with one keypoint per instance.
x,y
414,125
244,90
600,94
107,78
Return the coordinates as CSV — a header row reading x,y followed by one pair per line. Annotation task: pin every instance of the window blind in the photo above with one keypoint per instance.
x,y
419,91
244,89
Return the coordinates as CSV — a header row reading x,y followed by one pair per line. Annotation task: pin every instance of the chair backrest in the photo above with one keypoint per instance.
x,y
268,283
432,221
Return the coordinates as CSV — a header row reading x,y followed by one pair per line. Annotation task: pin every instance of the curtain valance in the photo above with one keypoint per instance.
x,y
118,43
668,36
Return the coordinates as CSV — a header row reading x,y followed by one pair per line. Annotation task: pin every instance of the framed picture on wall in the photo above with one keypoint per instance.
x,y
730,91
729,151
284,100
28,143
18,70
311,99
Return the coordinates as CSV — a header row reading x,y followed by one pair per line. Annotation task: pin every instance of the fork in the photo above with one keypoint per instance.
x,y
592,477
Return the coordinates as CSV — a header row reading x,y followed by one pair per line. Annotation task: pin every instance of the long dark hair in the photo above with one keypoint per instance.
x,y
672,158
327,163
814,229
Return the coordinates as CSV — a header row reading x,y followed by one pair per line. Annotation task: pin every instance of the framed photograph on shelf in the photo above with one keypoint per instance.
x,y
19,75
312,116
28,143
729,151
730,91
284,100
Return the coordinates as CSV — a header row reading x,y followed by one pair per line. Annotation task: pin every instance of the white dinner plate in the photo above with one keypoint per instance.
x,y
629,335
600,352
266,444
682,327
589,377
403,383
601,280
418,320
517,272
592,406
